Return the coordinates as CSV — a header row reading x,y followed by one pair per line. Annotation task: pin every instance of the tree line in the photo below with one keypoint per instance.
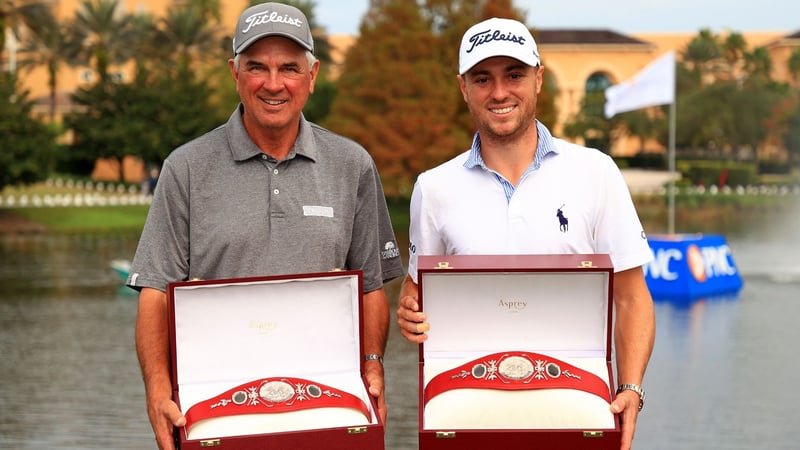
x,y
397,94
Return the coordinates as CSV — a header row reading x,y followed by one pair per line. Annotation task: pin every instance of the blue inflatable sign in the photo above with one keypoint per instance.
x,y
691,266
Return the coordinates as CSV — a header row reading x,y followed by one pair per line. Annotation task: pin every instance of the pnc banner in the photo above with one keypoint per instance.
x,y
691,266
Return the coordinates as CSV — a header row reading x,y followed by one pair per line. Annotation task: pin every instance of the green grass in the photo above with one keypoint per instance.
x,y
86,219
652,211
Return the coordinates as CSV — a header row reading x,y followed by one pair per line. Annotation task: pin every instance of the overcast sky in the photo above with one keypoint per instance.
x,y
627,16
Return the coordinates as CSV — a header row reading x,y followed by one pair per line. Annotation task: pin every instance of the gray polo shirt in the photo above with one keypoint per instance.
x,y
224,209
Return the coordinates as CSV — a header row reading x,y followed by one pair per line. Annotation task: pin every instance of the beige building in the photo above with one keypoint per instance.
x,y
572,56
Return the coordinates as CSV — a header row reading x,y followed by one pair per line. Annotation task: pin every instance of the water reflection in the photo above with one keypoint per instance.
x,y
723,374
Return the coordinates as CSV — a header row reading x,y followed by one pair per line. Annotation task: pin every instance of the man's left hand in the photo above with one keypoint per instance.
x,y
374,375
627,406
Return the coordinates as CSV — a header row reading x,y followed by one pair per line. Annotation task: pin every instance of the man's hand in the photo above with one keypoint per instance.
x,y
374,375
627,406
164,416
410,319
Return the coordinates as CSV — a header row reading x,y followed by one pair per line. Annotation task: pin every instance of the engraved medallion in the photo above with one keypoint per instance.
x,y
479,371
239,397
276,391
553,370
313,391
515,368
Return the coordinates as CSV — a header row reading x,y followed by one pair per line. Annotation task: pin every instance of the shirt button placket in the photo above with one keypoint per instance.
x,y
275,171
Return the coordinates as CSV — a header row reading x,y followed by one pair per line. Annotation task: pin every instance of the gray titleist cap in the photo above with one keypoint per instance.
x,y
271,19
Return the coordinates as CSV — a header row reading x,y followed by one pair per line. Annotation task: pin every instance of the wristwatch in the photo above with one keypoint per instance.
x,y
373,356
635,388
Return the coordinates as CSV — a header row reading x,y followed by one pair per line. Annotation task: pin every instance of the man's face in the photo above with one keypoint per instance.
x,y
501,95
274,82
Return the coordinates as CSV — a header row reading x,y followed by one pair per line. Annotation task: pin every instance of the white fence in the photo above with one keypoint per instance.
x,y
114,194
763,190
77,193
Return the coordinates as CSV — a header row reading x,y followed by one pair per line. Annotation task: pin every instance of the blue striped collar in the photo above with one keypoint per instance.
x,y
545,147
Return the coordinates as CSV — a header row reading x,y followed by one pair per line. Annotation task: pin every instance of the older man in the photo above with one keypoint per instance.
x,y
265,193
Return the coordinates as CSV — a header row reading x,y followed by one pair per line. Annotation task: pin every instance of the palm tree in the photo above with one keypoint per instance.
x,y
734,47
758,65
185,36
701,52
208,8
102,35
794,66
48,48
19,15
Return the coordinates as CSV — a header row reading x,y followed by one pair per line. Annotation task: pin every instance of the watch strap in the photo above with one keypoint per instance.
x,y
635,388
373,357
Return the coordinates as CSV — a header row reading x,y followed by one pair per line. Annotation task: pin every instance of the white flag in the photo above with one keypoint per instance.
x,y
653,85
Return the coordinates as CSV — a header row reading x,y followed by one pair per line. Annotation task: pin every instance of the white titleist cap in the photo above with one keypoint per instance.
x,y
271,19
497,37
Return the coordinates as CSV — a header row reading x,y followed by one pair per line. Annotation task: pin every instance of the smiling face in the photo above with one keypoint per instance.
x,y
501,94
274,81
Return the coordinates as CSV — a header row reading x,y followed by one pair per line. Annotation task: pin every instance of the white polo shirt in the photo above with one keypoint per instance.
x,y
575,201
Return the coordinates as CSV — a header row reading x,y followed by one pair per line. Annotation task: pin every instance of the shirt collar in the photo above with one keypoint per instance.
x,y
544,147
243,147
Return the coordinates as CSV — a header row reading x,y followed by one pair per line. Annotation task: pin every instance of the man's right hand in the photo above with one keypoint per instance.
x,y
410,319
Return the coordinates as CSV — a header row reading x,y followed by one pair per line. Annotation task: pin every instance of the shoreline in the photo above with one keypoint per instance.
x,y
11,223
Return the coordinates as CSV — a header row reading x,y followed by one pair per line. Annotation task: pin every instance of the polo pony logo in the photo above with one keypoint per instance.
x,y
563,221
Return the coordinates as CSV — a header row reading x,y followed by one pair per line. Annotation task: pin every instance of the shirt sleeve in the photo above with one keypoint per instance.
x,y
424,238
162,253
620,232
373,234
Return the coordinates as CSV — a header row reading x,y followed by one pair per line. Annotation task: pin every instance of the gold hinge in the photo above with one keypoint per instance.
x,y
443,265
586,265
357,430
445,434
592,434
211,443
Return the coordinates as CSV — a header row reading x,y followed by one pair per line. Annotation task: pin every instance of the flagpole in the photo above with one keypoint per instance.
x,y
671,163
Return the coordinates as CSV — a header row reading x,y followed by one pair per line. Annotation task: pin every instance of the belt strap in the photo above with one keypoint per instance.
x,y
274,395
517,371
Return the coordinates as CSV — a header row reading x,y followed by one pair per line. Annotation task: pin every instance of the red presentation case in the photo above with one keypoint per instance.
x,y
557,307
229,333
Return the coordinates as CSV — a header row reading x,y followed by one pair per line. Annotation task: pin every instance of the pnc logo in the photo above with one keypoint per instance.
x,y
701,263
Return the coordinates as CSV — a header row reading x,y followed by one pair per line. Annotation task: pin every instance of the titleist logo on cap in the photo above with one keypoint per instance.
x,y
270,17
487,36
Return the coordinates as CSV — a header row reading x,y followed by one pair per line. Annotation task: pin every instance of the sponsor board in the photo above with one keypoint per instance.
x,y
690,266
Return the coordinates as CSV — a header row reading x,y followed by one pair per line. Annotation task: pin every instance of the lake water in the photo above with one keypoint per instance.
x,y
722,375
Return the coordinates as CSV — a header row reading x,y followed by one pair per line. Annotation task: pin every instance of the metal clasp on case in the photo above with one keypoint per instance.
x,y
592,434
445,434
357,430
211,443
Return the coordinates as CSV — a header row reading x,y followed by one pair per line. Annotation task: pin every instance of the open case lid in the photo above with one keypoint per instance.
x,y
250,328
482,304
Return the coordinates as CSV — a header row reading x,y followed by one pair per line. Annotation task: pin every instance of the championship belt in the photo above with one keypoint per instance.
x,y
274,395
517,371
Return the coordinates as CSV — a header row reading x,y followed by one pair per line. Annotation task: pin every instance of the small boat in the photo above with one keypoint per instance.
x,y
122,267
